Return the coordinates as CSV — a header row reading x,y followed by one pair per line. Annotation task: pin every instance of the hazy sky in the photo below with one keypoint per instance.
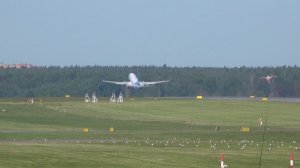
x,y
210,33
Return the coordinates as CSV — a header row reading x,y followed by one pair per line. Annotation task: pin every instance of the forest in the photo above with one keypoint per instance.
x,y
55,81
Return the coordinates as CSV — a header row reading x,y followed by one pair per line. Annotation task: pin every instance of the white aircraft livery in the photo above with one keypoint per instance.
x,y
134,82
268,78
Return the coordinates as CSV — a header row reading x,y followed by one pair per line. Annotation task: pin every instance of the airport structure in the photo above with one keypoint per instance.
x,y
87,98
114,100
93,100
30,100
120,98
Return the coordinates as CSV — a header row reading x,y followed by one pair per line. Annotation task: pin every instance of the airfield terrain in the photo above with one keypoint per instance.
x,y
150,132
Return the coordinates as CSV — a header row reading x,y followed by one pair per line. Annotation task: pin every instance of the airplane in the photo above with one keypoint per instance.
x,y
268,78
135,83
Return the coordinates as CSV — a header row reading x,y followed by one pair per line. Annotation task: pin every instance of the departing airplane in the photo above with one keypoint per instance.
x,y
268,78
134,82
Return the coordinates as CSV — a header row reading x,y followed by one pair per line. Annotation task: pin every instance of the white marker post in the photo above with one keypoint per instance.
x,y
291,160
222,161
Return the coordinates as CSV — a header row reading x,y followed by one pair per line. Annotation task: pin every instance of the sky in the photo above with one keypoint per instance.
x,y
206,33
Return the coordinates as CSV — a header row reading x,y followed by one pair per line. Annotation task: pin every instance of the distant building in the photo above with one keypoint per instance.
x,y
4,66
17,66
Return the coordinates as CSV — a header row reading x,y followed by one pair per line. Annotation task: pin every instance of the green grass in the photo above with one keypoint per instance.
x,y
148,133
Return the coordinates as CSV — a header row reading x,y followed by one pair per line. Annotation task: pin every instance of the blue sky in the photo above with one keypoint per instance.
x,y
210,33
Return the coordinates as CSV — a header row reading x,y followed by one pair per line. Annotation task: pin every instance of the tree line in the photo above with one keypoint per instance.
x,y
184,81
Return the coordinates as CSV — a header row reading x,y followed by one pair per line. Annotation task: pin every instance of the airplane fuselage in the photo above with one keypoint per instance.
x,y
134,82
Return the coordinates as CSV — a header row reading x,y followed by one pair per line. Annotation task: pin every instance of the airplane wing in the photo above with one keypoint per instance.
x,y
117,83
145,84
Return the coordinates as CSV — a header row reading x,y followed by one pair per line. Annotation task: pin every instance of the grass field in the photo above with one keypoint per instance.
x,y
147,133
